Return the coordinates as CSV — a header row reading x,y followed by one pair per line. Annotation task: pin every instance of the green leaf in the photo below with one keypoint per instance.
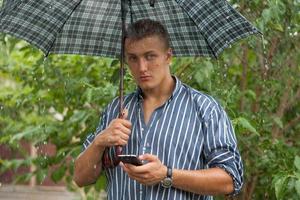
x,y
297,174
100,184
277,27
297,162
297,187
278,121
41,175
114,63
280,186
243,122
251,94
266,15
58,174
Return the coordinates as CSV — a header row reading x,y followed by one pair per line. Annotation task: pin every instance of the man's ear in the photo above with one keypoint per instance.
x,y
169,55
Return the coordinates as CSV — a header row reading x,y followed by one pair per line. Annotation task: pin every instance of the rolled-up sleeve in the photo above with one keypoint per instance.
x,y
220,147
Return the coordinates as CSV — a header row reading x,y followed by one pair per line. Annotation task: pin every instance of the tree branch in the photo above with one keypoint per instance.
x,y
291,123
273,48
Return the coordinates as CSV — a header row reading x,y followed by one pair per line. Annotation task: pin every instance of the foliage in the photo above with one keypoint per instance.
x,y
58,100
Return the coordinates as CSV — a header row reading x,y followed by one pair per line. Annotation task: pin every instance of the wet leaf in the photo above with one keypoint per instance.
x,y
278,121
243,122
297,187
280,186
58,174
297,162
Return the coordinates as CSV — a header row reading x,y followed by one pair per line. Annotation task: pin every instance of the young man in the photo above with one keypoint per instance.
x,y
184,137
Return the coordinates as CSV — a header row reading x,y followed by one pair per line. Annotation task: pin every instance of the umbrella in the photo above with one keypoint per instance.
x,y
95,27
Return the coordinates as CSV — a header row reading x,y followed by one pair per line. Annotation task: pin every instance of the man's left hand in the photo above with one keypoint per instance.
x,y
150,173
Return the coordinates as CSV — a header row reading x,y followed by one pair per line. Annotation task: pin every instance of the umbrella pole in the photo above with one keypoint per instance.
x,y
124,9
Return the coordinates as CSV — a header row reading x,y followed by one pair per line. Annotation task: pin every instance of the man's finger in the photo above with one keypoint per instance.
x,y
148,157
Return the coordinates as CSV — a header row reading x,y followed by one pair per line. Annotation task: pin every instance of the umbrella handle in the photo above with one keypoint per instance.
x,y
124,10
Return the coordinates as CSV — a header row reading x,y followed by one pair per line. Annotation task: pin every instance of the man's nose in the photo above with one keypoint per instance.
x,y
143,66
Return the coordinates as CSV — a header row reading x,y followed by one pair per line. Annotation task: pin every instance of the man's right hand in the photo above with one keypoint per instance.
x,y
116,134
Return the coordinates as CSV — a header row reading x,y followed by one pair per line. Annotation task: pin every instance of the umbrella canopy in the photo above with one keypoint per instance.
x,y
93,27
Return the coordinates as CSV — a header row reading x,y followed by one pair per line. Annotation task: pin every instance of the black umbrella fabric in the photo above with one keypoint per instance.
x,y
93,27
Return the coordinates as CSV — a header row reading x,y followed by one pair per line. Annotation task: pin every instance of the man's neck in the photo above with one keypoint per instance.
x,y
162,93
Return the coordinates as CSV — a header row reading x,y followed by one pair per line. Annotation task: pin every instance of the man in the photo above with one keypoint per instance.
x,y
183,137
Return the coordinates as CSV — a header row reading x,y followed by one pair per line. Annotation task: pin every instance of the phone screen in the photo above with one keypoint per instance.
x,y
131,159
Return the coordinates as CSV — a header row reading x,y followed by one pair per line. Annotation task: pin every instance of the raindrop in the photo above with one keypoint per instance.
x,y
34,78
228,17
48,90
95,166
50,6
0,184
266,65
1,107
225,75
45,142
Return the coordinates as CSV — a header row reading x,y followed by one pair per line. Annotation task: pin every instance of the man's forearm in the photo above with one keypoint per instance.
x,y
88,165
211,181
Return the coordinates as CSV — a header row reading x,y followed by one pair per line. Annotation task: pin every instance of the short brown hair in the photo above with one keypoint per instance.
x,y
145,28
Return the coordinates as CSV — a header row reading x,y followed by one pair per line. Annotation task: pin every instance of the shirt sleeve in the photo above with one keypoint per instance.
x,y
220,147
101,126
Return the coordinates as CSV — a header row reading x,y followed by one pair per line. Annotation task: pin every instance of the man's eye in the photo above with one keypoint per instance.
x,y
150,56
132,58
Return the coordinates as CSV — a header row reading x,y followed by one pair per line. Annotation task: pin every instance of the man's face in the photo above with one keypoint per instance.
x,y
148,61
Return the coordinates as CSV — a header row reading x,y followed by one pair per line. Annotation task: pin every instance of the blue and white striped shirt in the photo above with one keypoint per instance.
x,y
190,131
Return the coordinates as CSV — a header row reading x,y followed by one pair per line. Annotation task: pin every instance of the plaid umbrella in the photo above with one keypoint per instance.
x,y
93,27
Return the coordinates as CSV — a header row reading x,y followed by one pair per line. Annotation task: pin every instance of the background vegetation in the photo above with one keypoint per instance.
x,y
58,100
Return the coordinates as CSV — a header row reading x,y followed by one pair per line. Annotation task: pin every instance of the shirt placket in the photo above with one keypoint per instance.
x,y
145,135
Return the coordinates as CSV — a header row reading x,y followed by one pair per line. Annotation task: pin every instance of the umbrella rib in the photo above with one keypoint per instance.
x,y
61,28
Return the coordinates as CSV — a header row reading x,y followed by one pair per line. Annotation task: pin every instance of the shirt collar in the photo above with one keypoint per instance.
x,y
178,84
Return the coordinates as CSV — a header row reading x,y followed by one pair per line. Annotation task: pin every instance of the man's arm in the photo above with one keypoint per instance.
x,y
211,181
88,165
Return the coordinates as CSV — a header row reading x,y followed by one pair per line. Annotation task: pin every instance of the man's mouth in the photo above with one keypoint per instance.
x,y
145,78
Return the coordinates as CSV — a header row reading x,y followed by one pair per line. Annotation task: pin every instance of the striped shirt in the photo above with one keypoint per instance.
x,y
190,131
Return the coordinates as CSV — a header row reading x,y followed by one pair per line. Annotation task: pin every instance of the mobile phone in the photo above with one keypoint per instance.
x,y
131,159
